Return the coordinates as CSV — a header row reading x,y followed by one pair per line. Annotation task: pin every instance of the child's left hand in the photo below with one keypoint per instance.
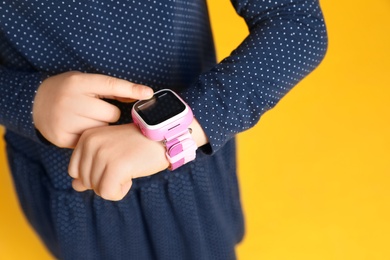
x,y
107,158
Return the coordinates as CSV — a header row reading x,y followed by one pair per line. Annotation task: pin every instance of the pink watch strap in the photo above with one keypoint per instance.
x,y
180,150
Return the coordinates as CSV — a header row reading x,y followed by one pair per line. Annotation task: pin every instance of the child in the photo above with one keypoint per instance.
x,y
69,71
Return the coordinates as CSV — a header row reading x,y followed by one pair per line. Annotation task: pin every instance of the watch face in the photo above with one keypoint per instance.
x,y
162,106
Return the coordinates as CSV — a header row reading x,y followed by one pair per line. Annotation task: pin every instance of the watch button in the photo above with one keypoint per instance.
x,y
175,149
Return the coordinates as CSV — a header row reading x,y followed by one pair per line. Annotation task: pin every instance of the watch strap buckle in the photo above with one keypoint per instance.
x,y
180,150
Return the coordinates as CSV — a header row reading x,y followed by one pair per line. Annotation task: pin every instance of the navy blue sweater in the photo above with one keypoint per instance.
x,y
193,212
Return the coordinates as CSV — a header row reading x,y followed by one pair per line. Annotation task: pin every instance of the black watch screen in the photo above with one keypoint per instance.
x,y
163,105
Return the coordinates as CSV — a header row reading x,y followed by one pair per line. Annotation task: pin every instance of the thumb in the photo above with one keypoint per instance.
x,y
115,88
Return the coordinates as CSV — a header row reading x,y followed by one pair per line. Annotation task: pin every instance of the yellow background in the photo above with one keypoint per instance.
x,y
315,171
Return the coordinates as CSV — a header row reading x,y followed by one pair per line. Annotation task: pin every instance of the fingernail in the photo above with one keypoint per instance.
x,y
148,92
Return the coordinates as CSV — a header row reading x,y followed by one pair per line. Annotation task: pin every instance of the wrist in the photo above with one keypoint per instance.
x,y
166,117
198,133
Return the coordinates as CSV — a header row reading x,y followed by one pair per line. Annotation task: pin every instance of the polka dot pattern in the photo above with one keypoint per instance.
x,y
282,48
193,212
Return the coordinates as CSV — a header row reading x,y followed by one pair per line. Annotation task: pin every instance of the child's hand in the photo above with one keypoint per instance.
x,y
106,159
69,103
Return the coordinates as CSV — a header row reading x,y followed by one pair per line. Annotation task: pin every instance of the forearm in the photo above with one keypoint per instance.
x,y
286,42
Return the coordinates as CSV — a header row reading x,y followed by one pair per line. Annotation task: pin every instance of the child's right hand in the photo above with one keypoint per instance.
x,y
69,103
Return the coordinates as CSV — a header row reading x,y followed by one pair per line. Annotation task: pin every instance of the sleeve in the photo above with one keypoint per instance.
x,y
287,40
17,92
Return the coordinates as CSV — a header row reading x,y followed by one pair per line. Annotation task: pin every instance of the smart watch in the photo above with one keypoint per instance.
x,y
166,117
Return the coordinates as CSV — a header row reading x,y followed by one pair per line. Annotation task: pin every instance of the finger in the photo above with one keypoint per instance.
x,y
106,86
73,167
97,170
68,135
100,110
85,166
78,185
111,188
80,124
125,100
64,140
70,141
